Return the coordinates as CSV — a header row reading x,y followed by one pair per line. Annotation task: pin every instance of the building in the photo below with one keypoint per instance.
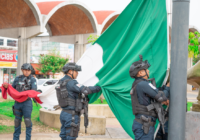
x,y
8,59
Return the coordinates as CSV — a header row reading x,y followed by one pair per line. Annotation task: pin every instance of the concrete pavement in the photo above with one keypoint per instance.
x,y
114,131
192,96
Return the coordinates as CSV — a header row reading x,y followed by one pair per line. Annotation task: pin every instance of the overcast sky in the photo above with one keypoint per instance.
x,y
119,5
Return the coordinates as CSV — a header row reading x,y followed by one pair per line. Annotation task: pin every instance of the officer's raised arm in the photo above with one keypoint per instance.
x,y
78,88
152,91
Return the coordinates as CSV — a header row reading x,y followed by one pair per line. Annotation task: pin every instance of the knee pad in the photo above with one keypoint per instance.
x,y
17,122
28,122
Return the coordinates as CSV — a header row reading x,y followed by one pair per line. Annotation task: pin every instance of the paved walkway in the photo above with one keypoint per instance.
x,y
192,96
114,131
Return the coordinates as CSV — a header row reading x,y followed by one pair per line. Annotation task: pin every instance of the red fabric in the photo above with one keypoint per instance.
x,y
19,96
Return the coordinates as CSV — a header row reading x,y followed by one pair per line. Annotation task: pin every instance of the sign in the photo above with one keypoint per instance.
x,y
8,64
8,56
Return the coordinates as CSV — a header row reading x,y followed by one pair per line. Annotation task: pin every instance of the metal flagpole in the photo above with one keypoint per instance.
x,y
178,70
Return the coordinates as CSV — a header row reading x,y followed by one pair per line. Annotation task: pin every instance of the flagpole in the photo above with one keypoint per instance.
x,y
178,70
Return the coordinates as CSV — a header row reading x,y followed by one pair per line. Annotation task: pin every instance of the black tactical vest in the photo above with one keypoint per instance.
x,y
138,108
23,84
62,94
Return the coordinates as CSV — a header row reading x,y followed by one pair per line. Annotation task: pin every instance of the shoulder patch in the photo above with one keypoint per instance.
x,y
152,86
79,85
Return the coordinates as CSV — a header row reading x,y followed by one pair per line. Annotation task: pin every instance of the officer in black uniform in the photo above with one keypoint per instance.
x,y
69,94
23,83
145,96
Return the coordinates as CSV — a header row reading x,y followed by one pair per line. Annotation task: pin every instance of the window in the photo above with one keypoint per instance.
x,y
12,43
54,81
49,83
46,46
1,42
40,81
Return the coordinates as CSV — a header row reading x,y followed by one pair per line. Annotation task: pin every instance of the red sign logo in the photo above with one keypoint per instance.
x,y
7,57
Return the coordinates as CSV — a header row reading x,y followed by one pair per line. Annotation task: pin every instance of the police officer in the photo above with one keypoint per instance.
x,y
23,83
68,94
143,94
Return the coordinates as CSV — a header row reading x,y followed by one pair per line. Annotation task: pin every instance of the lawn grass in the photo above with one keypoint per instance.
x,y
6,110
98,101
6,129
189,105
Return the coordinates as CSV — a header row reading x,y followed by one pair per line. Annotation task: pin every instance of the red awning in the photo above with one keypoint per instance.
x,y
35,67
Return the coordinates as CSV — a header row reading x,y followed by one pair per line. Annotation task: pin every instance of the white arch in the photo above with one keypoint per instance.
x,y
193,28
78,4
35,10
108,18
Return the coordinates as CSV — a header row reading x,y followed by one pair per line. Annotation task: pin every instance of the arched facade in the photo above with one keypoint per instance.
x,y
109,20
19,13
68,18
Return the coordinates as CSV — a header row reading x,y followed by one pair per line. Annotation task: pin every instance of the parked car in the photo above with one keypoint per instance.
x,y
45,84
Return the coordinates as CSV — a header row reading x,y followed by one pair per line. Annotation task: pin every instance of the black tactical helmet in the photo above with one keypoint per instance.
x,y
26,66
71,66
137,66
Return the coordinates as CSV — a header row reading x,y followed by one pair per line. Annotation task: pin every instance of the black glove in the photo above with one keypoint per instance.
x,y
98,88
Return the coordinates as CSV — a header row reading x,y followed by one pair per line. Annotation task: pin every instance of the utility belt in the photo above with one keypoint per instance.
x,y
16,110
146,123
24,101
74,128
71,112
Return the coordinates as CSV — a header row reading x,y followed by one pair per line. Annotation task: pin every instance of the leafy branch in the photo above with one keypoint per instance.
x,y
92,38
193,47
51,62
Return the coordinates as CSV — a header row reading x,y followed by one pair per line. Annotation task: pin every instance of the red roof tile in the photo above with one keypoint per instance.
x,y
102,15
46,7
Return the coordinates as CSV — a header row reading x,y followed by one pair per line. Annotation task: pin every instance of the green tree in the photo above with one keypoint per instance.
x,y
51,62
194,46
92,38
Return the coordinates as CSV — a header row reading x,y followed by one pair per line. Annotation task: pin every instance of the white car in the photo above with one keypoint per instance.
x,y
45,84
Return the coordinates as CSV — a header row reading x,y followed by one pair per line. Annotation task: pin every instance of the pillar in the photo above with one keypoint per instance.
x,y
79,47
178,70
24,47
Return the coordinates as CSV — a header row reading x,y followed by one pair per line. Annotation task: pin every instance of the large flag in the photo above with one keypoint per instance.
x,y
140,29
